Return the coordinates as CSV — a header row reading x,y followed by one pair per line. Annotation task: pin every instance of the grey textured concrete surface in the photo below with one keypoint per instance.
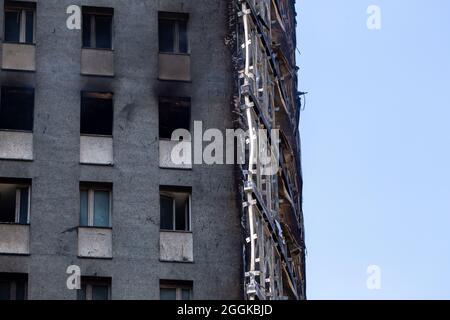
x,y
16,145
176,246
97,62
56,173
174,67
19,56
166,157
14,239
95,242
96,150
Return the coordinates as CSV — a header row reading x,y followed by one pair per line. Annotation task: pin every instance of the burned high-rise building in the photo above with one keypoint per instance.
x,y
93,203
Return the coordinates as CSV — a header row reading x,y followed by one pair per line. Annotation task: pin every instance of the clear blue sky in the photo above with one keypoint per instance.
x,y
376,147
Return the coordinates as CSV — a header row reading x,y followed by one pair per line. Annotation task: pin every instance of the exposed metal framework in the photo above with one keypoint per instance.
x,y
263,41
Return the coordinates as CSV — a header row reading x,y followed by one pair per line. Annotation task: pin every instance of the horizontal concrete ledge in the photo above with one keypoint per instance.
x,y
97,62
96,150
176,67
95,242
19,56
16,145
14,239
176,246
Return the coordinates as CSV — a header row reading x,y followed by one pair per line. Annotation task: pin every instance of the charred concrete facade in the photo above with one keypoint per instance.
x,y
91,197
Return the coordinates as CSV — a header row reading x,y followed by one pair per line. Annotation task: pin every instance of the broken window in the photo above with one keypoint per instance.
x,y
97,27
96,113
94,289
175,209
16,109
19,21
173,32
14,203
175,290
95,206
174,113
13,286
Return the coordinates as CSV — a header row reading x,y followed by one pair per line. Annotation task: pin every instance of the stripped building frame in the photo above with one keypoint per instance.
x,y
262,37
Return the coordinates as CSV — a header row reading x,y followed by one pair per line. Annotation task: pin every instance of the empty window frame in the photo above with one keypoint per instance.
x,y
97,27
175,290
96,113
16,109
95,206
175,209
173,37
13,286
14,203
20,20
93,288
174,113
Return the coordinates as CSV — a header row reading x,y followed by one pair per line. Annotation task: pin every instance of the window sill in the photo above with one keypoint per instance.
x,y
15,130
175,231
169,139
24,43
110,165
175,53
100,49
172,261
94,258
94,135
15,254
93,227
17,160
179,169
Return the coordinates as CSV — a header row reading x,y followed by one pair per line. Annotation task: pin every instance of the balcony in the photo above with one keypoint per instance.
x,y
95,242
96,150
174,67
97,62
19,56
16,145
176,246
15,239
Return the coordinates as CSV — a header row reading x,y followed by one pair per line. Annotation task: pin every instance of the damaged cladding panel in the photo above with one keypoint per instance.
x,y
264,41
86,173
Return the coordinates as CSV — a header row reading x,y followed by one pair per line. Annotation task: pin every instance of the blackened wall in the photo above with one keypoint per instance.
x,y
56,172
